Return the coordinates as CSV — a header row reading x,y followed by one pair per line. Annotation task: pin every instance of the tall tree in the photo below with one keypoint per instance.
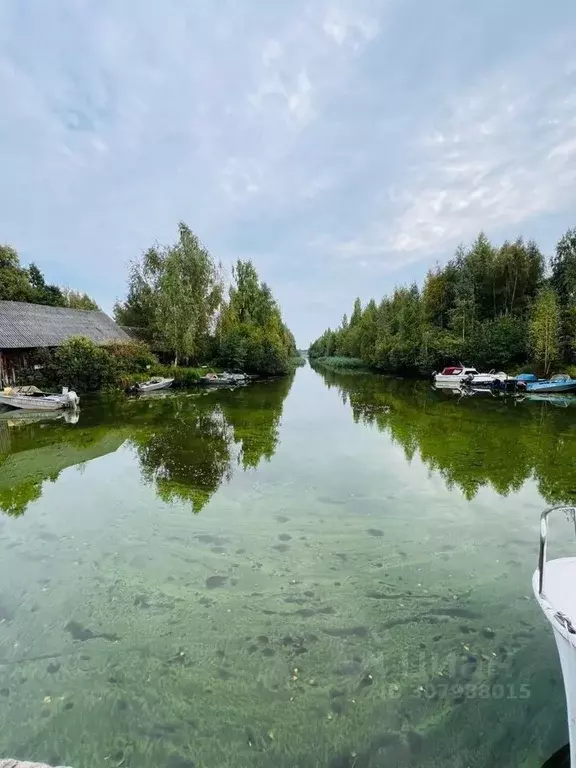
x,y
563,280
251,333
177,289
14,280
545,328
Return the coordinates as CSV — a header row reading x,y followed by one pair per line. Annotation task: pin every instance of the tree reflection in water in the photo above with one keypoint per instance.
x,y
187,445
471,442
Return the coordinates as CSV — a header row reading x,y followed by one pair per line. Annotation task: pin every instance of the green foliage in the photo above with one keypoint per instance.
x,y
340,363
251,334
183,377
479,308
20,284
78,300
545,329
173,295
175,302
84,366
87,367
132,356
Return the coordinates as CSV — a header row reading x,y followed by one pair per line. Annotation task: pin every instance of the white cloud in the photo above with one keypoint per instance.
x,y
488,163
349,27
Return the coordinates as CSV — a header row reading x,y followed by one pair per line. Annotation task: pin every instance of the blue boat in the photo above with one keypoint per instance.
x,y
559,383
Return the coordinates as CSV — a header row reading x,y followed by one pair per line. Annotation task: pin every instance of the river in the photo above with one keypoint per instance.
x,y
329,570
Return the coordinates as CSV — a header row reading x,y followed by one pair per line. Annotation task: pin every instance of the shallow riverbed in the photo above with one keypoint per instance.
x,y
331,571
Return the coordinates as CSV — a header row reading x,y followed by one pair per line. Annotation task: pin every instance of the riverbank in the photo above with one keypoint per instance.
x,y
349,364
86,367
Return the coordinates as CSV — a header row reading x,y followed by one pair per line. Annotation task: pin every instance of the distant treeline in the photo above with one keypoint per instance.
x,y
18,283
488,306
176,302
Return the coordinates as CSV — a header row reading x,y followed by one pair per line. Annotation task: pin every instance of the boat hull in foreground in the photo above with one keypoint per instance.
x,y
554,587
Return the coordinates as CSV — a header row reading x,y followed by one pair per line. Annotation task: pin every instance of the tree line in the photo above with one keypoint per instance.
x,y
489,306
18,283
176,301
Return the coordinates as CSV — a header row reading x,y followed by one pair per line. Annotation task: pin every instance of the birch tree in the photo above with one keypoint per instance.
x,y
545,329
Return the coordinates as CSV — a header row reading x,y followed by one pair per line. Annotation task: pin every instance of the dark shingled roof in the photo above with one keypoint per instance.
x,y
25,326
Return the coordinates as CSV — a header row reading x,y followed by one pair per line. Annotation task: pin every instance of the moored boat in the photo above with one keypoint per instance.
x,y
154,384
453,376
224,379
460,375
553,584
561,382
36,400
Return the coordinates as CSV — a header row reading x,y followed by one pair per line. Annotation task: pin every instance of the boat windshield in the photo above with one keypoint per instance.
x,y
560,377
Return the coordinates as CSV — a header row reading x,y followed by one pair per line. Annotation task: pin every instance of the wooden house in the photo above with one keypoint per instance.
x,y
25,328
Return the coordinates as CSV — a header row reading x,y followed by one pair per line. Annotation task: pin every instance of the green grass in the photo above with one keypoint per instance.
x,y
340,363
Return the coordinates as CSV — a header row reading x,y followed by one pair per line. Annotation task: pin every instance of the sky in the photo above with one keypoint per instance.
x,y
345,146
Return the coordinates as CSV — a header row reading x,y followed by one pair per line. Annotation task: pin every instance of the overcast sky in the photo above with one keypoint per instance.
x,y
344,146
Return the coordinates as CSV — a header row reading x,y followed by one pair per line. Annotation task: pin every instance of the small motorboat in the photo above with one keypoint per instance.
x,y
453,376
33,399
224,379
553,584
154,384
561,382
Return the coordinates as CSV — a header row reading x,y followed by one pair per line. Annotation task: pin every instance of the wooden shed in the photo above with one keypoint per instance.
x,y
28,327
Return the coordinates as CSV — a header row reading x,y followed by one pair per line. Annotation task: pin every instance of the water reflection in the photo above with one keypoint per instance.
x,y
470,441
187,445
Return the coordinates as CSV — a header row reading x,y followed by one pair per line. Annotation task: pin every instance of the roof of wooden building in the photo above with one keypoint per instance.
x,y
27,326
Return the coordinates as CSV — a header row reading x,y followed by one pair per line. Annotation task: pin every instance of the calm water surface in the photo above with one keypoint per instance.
x,y
330,571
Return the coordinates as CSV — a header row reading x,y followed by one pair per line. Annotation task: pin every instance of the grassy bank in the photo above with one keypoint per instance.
x,y
183,377
341,363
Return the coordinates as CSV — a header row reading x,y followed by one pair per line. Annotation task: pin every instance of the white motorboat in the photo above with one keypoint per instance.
x,y
486,379
224,379
154,384
453,376
32,399
554,584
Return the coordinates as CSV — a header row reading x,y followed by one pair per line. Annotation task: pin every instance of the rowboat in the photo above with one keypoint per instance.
x,y
554,587
158,382
37,400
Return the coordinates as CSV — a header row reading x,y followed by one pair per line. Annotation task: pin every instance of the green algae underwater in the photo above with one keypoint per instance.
x,y
325,570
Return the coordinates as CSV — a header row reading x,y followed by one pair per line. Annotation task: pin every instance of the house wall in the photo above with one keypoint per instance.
x,y
11,362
